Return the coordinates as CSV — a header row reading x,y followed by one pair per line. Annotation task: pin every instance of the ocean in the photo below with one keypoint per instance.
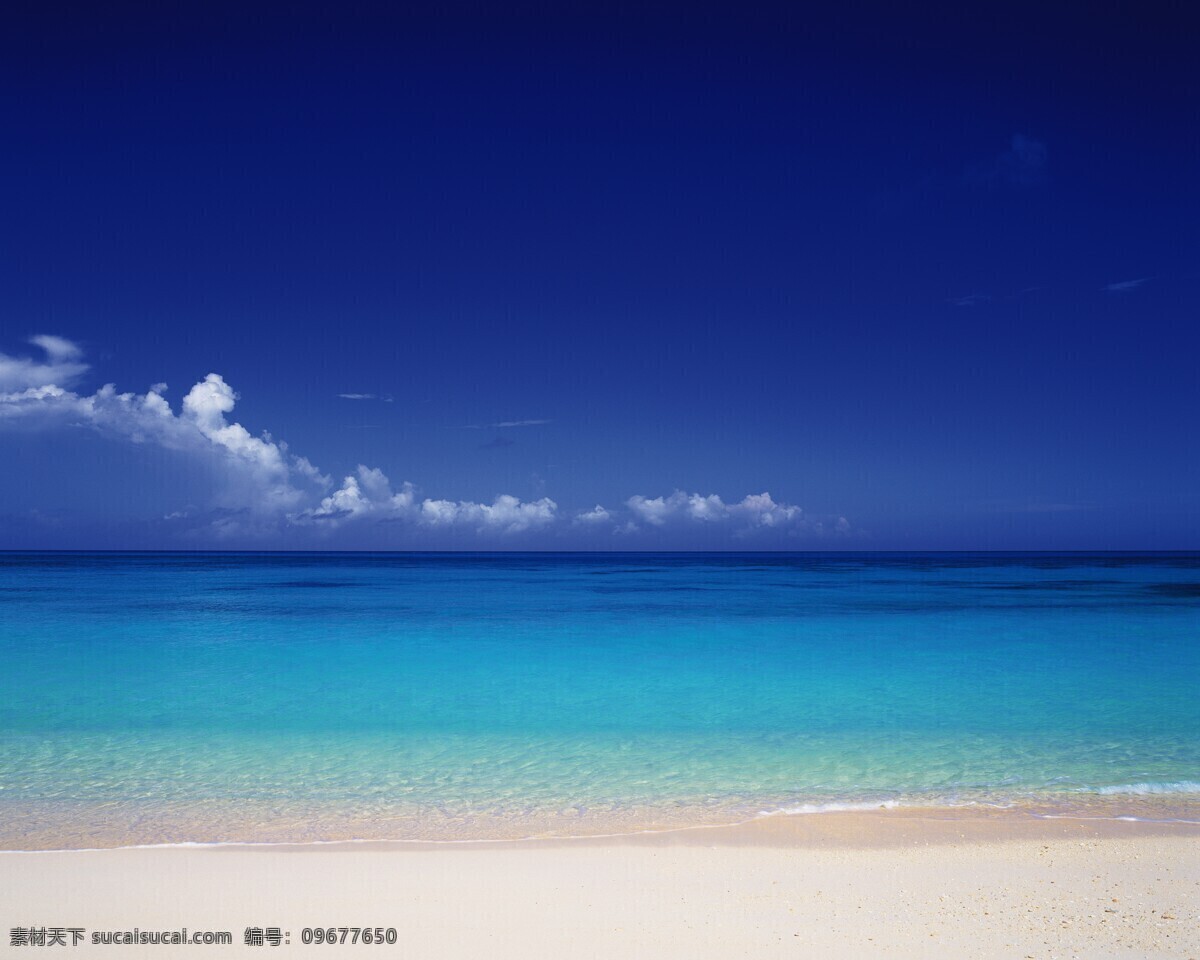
x,y
151,698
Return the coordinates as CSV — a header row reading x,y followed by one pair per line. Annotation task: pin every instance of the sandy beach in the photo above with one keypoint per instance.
x,y
887,884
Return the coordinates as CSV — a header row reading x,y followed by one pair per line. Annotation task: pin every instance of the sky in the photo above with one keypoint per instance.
x,y
611,277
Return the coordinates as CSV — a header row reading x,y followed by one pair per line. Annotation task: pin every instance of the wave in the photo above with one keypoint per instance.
x,y
833,807
1146,789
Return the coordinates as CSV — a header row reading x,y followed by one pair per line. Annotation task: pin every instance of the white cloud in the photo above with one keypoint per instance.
x,y
205,406
62,365
506,513
706,509
759,510
257,474
689,506
365,396
306,469
755,512
654,511
596,515
57,348
366,493
263,487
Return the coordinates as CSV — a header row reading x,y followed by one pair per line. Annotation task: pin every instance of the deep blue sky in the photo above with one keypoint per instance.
x,y
931,277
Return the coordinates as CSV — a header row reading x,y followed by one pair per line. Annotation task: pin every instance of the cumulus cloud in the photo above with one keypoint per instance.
x,y
362,494
596,515
258,474
265,488
311,473
754,512
653,511
62,365
759,510
367,494
709,509
206,405
506,513
262,479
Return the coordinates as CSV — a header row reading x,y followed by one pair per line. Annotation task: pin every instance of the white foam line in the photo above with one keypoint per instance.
x,y
806,808
803,810
761,815
1145,789
1076,816
215,844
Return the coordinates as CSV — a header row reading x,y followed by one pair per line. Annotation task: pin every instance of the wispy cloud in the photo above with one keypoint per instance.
x,y
1125,286
971,300
505,424
1023,164
384,398
63,365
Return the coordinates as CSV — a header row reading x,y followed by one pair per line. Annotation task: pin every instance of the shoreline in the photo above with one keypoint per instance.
x,y
864,826
840,885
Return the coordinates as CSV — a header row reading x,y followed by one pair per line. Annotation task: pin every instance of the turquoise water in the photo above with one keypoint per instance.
x,y
199,697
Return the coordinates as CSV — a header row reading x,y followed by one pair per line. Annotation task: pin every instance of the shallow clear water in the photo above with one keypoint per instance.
x,y
173,697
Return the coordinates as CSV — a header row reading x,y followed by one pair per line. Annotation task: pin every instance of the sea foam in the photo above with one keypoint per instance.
x,y
1148,789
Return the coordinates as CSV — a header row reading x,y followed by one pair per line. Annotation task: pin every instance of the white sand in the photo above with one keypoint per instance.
x,y
849,885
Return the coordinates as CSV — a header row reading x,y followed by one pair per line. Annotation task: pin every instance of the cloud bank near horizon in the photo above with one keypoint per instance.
x,y
264,487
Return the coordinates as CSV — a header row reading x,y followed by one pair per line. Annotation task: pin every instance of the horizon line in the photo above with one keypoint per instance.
x,y
177,550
